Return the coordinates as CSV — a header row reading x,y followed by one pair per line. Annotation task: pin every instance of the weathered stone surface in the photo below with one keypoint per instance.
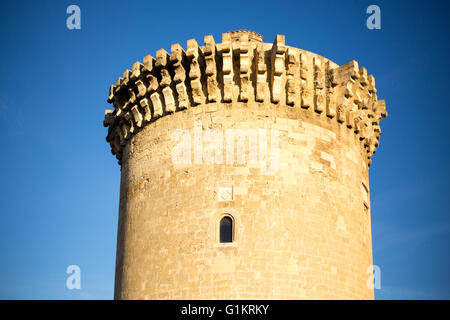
x,y
301,231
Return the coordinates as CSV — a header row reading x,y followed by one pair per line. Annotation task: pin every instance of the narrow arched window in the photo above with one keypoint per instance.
x,y
226,229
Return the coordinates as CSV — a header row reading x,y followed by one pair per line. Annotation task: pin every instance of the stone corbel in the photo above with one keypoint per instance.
x,y
277,70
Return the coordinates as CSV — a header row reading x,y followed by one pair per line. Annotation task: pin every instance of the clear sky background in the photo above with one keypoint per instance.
x,y
59,183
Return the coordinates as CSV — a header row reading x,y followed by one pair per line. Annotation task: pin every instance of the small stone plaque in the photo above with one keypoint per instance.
x,y
225,194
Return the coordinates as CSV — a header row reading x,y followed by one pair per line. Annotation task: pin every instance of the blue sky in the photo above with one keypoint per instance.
x,y
59,183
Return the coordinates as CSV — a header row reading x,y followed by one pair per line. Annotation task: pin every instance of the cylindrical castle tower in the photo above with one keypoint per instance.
x,y
244,173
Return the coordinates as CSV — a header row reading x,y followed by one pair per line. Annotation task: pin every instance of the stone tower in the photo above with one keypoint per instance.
x,y
244,172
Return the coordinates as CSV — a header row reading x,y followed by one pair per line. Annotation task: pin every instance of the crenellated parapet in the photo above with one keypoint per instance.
x,y
243,69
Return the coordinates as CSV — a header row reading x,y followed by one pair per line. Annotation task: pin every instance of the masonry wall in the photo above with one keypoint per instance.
x,y
299,200
301,232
